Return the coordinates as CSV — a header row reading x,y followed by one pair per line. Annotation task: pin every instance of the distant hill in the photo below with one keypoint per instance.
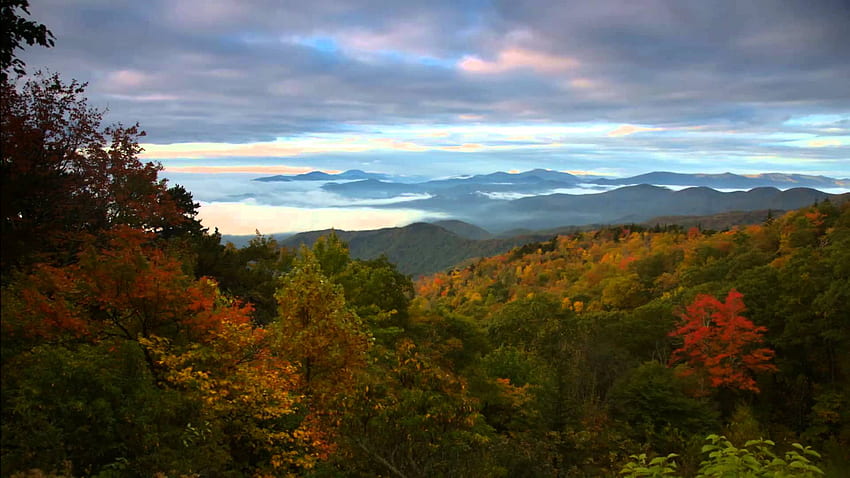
x,y
717,222
464,229
352,174
419,248
527,177
373,189
640,203
492,213
729,180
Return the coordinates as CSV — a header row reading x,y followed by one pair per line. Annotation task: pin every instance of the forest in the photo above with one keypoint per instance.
x,y
135,343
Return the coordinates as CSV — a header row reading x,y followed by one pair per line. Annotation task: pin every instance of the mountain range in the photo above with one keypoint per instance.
x,y
543,199
377,182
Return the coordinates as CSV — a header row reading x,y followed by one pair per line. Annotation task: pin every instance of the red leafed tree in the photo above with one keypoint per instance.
x,y
721,345
127,289
64,175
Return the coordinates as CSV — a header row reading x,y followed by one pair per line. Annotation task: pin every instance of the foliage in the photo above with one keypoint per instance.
x,y
65,176
17,29
122,357
755,459
413,417
316,328
317,331
657,467
654,402
721,344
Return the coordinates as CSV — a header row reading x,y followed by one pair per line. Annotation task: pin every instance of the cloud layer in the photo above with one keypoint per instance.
x,y
228,71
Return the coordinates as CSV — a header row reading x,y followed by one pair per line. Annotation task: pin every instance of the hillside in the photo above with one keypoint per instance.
x,y
423,248
464,229
419,248
658,335
716,222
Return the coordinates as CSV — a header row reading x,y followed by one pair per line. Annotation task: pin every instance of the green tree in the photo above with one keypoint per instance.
x,y
652,401
413,417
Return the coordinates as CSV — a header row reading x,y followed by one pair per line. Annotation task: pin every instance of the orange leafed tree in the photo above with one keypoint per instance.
x,y
720,345
198,345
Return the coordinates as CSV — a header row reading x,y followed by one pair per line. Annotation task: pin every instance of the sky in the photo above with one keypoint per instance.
x,y
435,88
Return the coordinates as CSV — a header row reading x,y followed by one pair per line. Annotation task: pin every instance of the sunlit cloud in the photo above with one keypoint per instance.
x,y
242,218
465,148
575,172
823,143
146,97
122,80
246,169
518,58
458,138
628,129
595,144
290,147
404,43
435,134
396,145
408,39
582,83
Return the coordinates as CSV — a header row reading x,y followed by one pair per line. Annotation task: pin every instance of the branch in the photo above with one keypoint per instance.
x,y
380,459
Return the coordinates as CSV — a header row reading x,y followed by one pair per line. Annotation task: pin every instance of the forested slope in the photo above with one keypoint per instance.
x,y
418,248
582,327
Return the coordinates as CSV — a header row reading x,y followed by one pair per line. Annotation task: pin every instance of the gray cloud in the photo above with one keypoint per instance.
x,y
243,71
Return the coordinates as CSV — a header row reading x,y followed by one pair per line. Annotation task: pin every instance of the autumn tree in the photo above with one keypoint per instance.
x,y
121,359
64,175
317,331
413,417
721,345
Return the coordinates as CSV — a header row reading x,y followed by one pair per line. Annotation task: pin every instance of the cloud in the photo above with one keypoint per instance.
x,y
122,80
202,73
241,218
255,169
518,58
823,143
628,129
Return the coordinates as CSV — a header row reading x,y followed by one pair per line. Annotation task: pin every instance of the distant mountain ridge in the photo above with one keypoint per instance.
x,y
729,180
537,176
640,203
351,174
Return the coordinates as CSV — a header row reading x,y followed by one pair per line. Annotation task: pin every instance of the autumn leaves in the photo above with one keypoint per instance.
x,y
720,345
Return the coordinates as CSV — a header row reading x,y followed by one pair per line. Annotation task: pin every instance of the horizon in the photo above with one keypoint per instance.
x,y
294,206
